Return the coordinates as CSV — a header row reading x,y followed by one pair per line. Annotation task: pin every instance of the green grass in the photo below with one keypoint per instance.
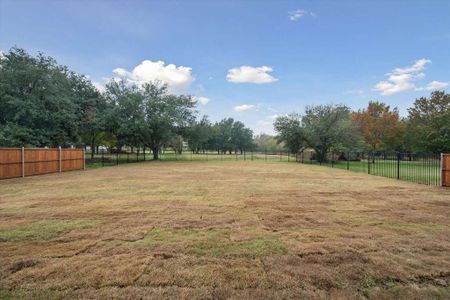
x,y
44,229
214,242
416,171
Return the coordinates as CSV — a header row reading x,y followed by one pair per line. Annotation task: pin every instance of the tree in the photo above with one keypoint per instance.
x,y
241,137
200,134
326,127
428,125
322,127
126,117
230,135
165,115
290,132
378,125
38,102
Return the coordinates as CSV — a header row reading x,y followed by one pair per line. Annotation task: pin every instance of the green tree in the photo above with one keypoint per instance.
x,y
200,134
290,132
38,101
428,124
166,115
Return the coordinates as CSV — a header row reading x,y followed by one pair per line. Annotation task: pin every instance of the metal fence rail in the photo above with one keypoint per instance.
x,y
424,168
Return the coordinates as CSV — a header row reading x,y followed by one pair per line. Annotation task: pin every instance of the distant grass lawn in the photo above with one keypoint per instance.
x,y
222,229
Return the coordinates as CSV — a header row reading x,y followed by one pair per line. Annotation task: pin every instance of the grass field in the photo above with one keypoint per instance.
x,y
231,229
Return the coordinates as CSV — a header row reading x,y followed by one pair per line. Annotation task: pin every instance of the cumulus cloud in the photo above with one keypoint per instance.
x,y
244,107
401,79
297,14
201,100
178,78
436,85
248,74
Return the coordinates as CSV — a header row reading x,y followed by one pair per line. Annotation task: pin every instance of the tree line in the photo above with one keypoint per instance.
x,y
325,128
44,104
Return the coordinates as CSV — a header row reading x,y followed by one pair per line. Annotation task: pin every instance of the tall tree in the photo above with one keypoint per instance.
x,y
38,101
126,117
290,132
326,127
378,125
429,123
166,115
199,135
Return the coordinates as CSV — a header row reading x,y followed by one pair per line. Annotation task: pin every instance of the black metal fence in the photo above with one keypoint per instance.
x,y
424,168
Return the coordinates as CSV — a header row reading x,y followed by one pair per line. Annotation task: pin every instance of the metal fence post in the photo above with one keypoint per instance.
x,y
84,158
23,161
144,152
265,155
348,161
117,157
60,158
368,163
442,169
398,165
103,157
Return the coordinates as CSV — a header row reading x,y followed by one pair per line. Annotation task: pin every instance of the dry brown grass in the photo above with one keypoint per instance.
x,y
222,230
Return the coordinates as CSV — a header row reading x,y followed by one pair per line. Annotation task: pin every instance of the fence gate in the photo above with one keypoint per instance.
x,y
445,177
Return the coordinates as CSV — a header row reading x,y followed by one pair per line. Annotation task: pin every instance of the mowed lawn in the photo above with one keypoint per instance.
x,y
213,230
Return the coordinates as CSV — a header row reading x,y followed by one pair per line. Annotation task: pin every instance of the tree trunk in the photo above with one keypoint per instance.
x,y
155,151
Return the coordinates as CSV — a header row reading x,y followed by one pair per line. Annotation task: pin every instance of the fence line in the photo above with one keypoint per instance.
x,y
21,162
424,168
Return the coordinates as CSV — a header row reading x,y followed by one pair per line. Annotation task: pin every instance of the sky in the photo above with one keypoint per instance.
x,y
250,60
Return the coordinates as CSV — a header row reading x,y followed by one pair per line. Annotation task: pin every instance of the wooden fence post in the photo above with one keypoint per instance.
x,y
84,158
60,159
23,161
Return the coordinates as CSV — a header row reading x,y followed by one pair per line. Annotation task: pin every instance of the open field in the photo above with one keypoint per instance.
x,y
223,230
425,171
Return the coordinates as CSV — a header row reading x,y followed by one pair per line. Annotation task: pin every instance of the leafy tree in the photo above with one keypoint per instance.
x,y
37,101
126,117
428,124
241,137
200,134
378,125
230,135
322,128
165,115
224,131
328,126
290,132
43,103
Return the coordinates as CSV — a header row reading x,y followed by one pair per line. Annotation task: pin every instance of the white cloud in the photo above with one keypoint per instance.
x,y
354,92
178,78
401,79
99,86
201,100
436,85
297,14
244,107
248,74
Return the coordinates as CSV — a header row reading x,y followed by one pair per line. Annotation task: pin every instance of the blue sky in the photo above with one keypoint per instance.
x,y
251,59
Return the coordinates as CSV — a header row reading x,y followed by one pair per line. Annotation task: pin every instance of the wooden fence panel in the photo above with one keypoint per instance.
x,y
10,162
38,161
70,159
445,170
41,161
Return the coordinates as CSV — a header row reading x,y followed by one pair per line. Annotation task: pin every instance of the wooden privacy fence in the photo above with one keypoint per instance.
x,y
445,167
21,162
